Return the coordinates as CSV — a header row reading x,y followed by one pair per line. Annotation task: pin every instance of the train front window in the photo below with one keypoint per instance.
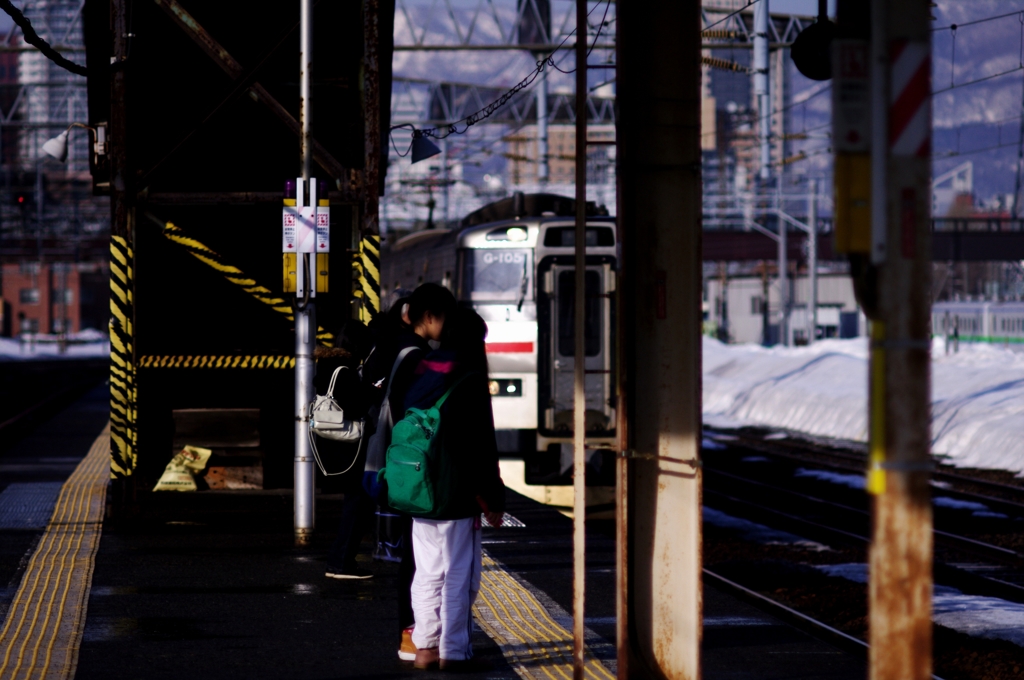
x,y
497,275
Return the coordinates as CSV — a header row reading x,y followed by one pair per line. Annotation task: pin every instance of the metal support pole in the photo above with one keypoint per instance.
x,y
783,283
305,312
659,208
900,589
760,79
543,173
812,263
579,431
444,182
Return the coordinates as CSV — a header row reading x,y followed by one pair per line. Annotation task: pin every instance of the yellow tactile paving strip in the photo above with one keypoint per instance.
x,y
533,643
43,630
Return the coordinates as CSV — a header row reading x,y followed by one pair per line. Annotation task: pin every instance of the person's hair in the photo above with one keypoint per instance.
x,y
465,331
430,297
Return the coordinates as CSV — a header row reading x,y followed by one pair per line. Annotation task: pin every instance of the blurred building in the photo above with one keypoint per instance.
x,y
53,268
57,297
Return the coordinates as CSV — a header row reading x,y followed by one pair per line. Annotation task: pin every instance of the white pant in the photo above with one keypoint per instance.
x,y
445,585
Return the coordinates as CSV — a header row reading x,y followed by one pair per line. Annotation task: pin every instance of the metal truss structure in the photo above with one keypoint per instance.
x,y
444,25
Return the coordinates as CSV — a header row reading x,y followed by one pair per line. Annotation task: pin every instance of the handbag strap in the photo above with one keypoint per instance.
x,y
334,378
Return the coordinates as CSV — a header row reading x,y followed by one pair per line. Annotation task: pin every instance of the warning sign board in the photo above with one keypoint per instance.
x,y
323,229
851,111
289,219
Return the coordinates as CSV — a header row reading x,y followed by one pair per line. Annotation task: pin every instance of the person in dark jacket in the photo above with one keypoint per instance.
x,y
419,320
447,549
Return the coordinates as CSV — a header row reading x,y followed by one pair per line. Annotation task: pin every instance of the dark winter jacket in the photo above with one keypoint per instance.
x,y
467,433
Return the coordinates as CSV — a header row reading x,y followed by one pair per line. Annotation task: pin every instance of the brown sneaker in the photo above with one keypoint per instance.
x,y
427,658
407,650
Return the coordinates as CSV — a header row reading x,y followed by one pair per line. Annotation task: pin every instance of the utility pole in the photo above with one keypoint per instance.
x,y
812,264
543,173
761,93
900,589
305,309
783,257
579,431
658,491
882,137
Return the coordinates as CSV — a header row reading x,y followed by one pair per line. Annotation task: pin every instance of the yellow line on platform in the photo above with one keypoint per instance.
x,y
43,629
533,643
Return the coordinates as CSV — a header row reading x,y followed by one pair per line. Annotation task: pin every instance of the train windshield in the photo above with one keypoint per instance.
x,y
498,275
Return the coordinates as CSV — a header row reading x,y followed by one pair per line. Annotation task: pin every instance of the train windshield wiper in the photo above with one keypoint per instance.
x,y
524,285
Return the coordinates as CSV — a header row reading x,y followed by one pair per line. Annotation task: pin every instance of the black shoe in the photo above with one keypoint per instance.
x,y
352,573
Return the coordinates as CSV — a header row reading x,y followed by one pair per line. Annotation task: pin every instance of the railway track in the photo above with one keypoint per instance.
x,y
32,391
798,487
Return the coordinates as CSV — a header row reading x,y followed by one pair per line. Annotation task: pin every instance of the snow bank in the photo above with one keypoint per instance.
x,y
88,343
977,395
987,617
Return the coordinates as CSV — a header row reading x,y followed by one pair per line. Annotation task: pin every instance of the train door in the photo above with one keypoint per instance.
x,y
558,347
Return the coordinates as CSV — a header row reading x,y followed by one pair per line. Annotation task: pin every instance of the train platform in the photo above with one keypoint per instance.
x,y
209,585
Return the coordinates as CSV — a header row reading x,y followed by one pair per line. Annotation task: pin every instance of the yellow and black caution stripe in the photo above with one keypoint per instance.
x,y
211,258
43,629
534,644
123,431
367,267
217,361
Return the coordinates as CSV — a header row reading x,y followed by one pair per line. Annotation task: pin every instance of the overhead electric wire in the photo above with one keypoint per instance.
x,y
957,86
489,110
953,27
750,3
32,38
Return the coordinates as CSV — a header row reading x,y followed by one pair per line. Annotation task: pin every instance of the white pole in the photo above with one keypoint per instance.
x,y
812,256
783,275
305,312
763,101
542,129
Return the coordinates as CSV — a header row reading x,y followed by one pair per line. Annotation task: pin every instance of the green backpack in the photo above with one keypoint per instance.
x,y
417,472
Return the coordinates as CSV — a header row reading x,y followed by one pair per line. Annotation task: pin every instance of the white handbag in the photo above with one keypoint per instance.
x,y
327,419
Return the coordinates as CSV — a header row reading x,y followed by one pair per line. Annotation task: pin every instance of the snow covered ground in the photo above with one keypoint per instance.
x,y
987,617
86,344
977,396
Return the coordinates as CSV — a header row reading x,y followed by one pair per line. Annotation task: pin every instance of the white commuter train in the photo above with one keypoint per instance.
x,y
513,261
995,322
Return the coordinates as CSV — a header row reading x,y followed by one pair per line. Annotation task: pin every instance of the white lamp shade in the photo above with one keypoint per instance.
x,y
57,147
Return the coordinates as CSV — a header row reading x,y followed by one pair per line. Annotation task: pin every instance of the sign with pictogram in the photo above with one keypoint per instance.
x,y
323,229
289,219
909,96
851,103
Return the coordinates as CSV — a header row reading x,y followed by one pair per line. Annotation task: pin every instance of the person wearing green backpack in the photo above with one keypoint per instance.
x,y
446,542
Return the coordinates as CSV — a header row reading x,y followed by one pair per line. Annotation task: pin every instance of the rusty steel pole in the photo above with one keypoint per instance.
x,y
579,431
900,588
659,213
371,118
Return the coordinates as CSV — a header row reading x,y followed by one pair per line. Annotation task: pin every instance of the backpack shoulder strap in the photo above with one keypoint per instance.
x,y
394,369
444,397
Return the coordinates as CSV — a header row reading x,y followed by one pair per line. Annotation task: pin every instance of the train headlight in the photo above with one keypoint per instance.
x,y
516,234
506,387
